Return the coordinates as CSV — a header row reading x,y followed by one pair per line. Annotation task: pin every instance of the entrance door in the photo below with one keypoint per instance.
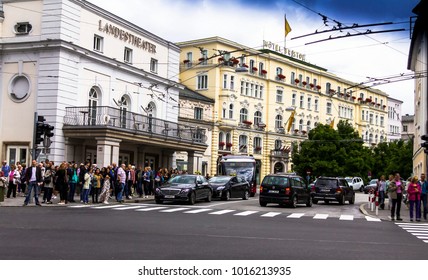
x,y
91,156
17,154
279,167
124,158
150,161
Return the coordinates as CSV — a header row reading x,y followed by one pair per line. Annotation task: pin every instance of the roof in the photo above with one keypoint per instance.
x,y
190,94
407,118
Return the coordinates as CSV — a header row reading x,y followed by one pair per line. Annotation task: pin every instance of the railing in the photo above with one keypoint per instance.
x,y
133,122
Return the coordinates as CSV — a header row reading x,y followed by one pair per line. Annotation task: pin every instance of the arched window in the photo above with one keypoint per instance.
x,y
300,125
224,111
228,141
243,144
308,126
243,115
257,145
221,142
257,118
278,144
93,103
230,111
278,121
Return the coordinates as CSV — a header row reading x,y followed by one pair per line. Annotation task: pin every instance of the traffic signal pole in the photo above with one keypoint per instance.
x,y
33,152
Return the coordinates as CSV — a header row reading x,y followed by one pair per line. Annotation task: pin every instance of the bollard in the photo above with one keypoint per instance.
x,y
377,203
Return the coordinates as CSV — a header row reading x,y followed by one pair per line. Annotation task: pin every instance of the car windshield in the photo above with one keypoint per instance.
x,y
373,182
349,180
219,180
326,183
182,180
275,180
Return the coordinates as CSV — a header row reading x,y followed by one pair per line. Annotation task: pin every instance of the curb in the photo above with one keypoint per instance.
x,y
365,213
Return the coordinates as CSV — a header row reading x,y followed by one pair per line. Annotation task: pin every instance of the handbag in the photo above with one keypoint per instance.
x,y
48,179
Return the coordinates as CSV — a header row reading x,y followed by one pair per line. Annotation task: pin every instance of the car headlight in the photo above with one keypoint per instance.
x,y
220,188
185,190
158,190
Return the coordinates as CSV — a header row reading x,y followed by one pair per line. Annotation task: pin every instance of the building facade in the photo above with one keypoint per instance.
x,y
394,119
418,57
408,125
109,87
256,93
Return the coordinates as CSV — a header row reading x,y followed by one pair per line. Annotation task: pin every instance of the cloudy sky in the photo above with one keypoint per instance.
x,y
250,22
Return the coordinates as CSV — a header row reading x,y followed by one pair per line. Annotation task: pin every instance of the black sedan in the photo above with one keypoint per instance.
x,y
227,187
184,188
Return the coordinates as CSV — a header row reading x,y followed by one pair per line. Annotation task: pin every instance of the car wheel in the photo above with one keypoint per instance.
x,y
352,201
246,195
309,202
326,201
361,189
192,198
342,200
294,202
209,197
158,201
314,201
262,203
227,196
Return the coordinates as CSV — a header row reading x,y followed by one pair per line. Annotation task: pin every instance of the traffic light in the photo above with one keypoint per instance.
x,y
40,129
48,130
424,144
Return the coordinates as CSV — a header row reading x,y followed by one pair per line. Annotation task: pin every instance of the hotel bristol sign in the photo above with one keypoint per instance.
x,y
277,48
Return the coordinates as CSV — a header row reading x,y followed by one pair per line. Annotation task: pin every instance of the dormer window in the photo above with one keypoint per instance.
x,y
23,28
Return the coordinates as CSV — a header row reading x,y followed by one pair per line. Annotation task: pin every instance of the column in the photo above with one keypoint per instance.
x,y
194,162
107,151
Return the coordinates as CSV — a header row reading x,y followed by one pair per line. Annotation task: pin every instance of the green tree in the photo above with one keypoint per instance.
x,y
393,157
330,152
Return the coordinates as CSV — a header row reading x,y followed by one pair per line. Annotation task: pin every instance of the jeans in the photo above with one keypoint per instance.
x,y
85,195
32,186
120,188
414,203
396,206
72,192
382,199
424,204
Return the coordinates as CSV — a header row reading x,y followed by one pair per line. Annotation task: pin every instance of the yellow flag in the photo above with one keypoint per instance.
x,y
332,124
287,28
290,121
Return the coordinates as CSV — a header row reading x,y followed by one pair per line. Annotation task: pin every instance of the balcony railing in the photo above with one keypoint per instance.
x,y
123,119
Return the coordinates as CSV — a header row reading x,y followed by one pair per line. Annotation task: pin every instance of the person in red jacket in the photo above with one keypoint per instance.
x,y
414,192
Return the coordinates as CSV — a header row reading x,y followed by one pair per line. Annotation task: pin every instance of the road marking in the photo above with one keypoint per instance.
x,y
221,212
150,209
197,211
346,217
296,215
128,207
413,224
271,214
80,206
108,206
174,210
419,233
246,213
221,203
422,237
371,219
320,216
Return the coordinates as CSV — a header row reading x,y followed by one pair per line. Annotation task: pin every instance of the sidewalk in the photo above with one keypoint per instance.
x,y
385,215
19,201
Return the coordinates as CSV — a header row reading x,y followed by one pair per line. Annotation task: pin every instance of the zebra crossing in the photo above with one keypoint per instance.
x,y
416,229
218,212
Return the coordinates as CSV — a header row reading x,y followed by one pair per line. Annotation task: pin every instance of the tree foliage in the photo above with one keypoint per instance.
x,y
341,152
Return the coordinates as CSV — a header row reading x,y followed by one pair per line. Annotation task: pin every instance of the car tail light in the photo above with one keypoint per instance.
x,y
339,190
261,189
287,191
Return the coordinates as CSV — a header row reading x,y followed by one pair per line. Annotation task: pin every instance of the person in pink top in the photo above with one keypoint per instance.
x,y
396,189
414,192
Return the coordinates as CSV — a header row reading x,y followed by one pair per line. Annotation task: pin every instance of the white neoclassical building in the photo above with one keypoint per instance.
x,y
109,87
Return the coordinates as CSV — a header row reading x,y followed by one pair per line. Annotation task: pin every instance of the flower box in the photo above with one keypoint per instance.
x,y
220,59
235,61
264,72
311,85
297,81
359,99
378,104
304,83
368,100
318,87
261,125
245,65
202,59
296,130
303,132
246,122
229,145
348,95
373,103
281,77
221,144
384,106
186,61
258,148
255,69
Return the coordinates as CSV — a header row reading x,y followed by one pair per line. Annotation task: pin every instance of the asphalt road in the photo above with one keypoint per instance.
x,y
147,231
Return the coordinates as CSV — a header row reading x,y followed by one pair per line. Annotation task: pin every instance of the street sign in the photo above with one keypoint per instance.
x,y
47,142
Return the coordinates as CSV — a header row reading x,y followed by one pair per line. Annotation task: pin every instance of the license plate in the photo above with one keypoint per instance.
x,y
169,196
325,190
273,191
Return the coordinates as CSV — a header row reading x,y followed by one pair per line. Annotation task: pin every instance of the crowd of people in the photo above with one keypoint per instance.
x,y
413,193
69,179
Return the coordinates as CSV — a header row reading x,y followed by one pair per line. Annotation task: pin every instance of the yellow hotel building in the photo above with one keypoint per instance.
x,y
256,92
